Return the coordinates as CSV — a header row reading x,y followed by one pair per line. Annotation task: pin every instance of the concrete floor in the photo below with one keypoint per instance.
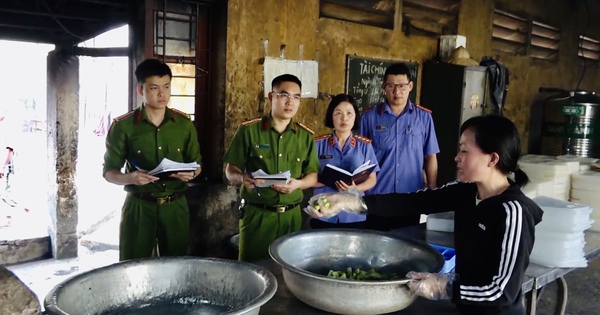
x,y
96,250
100,249
584,289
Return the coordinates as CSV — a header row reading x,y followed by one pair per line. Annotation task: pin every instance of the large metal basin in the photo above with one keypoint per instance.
x,y
307,256
175,285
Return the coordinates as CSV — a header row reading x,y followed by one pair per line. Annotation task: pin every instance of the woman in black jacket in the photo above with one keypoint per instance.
x,y
494,221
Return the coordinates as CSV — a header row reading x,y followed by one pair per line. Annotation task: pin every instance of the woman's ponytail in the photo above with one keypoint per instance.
x,y
520,177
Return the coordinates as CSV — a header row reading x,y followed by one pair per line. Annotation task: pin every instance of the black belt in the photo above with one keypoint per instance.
x,y
275,208
158,200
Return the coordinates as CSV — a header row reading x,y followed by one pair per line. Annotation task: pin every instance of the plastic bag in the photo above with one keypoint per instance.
x,y
327,205
432,286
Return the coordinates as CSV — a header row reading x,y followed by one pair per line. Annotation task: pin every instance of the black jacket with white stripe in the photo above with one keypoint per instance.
x,y
493,240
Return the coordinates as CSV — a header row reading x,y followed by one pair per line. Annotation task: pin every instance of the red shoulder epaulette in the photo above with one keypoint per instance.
x,y
251,121
180,113
321,137
423,108
306,128
363,139
124,116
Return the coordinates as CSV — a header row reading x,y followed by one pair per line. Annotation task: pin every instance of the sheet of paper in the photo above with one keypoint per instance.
x,y
271,179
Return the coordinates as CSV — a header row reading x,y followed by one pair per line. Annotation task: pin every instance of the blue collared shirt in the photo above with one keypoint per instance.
x,y
354,154
400,144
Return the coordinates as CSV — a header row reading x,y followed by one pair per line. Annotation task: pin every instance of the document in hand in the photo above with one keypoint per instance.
x,y
332,174
271,179
167,167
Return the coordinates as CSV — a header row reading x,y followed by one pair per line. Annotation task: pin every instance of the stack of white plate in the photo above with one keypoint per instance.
x,y
542,168
585,163
536,187
585,189
559,238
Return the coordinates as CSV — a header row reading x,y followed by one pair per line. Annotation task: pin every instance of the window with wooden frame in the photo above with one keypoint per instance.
x,y
544,41
509,33
588,48
379,13
175,35
430,17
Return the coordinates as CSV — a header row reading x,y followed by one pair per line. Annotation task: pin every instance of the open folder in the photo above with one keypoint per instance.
x,y
271,179
332,174
167,167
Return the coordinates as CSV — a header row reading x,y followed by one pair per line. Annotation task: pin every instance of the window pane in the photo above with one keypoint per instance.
x,y
183,86
183,103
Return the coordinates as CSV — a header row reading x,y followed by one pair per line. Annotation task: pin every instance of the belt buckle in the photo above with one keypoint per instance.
x,y
162,200
280,209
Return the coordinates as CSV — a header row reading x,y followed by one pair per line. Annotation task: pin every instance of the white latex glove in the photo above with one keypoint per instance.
x,y
327,205
432,286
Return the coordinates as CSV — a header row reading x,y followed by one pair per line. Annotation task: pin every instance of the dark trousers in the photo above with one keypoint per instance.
x,y
318,224
143,223
391,223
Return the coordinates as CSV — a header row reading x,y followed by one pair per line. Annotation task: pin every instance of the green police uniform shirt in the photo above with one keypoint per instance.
x,y
134,139
258,145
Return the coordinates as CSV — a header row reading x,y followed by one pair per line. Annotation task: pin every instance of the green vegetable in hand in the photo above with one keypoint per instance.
x,y
323,201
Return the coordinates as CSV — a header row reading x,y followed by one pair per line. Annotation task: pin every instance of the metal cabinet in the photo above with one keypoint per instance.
x,y
454,93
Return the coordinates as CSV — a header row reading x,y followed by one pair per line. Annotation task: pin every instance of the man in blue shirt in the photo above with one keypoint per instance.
x,y
404,141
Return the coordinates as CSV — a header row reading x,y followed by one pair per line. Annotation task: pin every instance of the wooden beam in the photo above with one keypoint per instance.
x,y
58,16
100,52
335,11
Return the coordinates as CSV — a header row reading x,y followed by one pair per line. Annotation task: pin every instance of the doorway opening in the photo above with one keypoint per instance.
x,y
23,143
103,96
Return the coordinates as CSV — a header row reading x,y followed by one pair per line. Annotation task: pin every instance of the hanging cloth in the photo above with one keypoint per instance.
x,y
498,77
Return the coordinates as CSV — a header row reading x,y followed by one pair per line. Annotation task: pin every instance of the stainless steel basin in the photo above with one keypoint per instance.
x,y
307,256
174,285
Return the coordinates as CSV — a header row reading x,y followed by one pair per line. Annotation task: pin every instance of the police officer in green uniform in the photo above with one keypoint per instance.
x,y
273,143
155,208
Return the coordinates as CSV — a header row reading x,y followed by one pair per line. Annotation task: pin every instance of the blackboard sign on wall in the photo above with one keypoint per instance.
x,y
364,77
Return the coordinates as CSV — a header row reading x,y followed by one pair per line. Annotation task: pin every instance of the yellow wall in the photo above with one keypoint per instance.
x,y
295,23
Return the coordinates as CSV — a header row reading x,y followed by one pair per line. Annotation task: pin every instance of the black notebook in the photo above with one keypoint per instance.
x,y
332,174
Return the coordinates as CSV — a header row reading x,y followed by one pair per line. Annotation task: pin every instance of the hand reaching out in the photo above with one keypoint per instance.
x,y
432,286
327,205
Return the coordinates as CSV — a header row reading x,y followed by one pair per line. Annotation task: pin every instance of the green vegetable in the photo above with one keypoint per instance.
x,y
323,201
357,274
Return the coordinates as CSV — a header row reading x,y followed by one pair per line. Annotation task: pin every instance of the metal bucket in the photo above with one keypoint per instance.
x,y
173,285
571,124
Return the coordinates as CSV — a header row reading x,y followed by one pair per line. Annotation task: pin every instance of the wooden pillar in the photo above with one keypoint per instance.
x,y
63,125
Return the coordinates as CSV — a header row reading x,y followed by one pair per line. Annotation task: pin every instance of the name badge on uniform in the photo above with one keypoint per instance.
x,y
381,127
326,157
262,146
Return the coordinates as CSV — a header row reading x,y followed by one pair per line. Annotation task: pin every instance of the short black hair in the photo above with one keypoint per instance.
x,y
335,101
397,69
494,133
151,67
285,78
